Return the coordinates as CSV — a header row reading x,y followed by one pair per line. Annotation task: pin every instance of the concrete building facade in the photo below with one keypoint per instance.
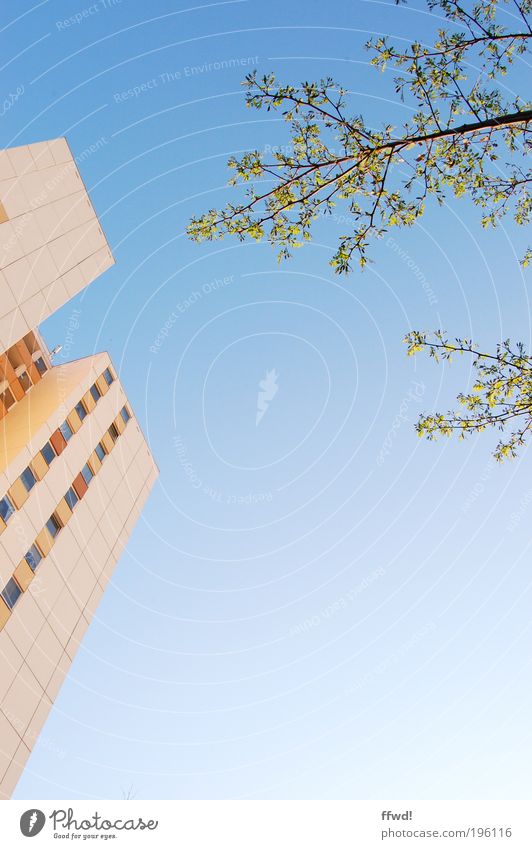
x,y
75,469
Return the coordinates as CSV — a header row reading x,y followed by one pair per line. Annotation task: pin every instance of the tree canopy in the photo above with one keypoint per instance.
x,y
465,138
501,396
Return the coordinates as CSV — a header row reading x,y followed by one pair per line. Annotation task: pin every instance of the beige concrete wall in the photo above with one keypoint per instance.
x,y
51,247
51,242
31,421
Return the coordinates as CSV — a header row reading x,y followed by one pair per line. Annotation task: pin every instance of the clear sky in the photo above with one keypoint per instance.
x,y
317,604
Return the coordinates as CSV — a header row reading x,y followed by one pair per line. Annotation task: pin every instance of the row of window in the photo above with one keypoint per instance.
x,y
24,378
13,589
53,447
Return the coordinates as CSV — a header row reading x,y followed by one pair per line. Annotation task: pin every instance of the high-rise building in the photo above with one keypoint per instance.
x,y
75,469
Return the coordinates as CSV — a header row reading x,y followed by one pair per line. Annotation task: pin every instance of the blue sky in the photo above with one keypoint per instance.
x,y
318,605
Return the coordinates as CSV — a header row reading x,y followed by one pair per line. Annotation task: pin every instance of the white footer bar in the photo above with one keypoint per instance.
x,y
268,824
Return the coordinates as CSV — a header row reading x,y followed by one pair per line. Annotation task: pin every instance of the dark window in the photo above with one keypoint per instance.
x,y
48,453
40,366
33,557
80,410
100,452
53,525
28,478
11,593
7,398
113,433
71,498
95,392
24,380
66,430
108,377
124,412
87,473
6,508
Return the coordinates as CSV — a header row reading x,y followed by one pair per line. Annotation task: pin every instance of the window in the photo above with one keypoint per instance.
x,y
11,593
24,380
108,377
28,478
48,453
100,452
95,392
53,525
33,557
124,412
80,410
40,366
6,508
113,433
66,430
87,473
58,442
7,398
71,498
